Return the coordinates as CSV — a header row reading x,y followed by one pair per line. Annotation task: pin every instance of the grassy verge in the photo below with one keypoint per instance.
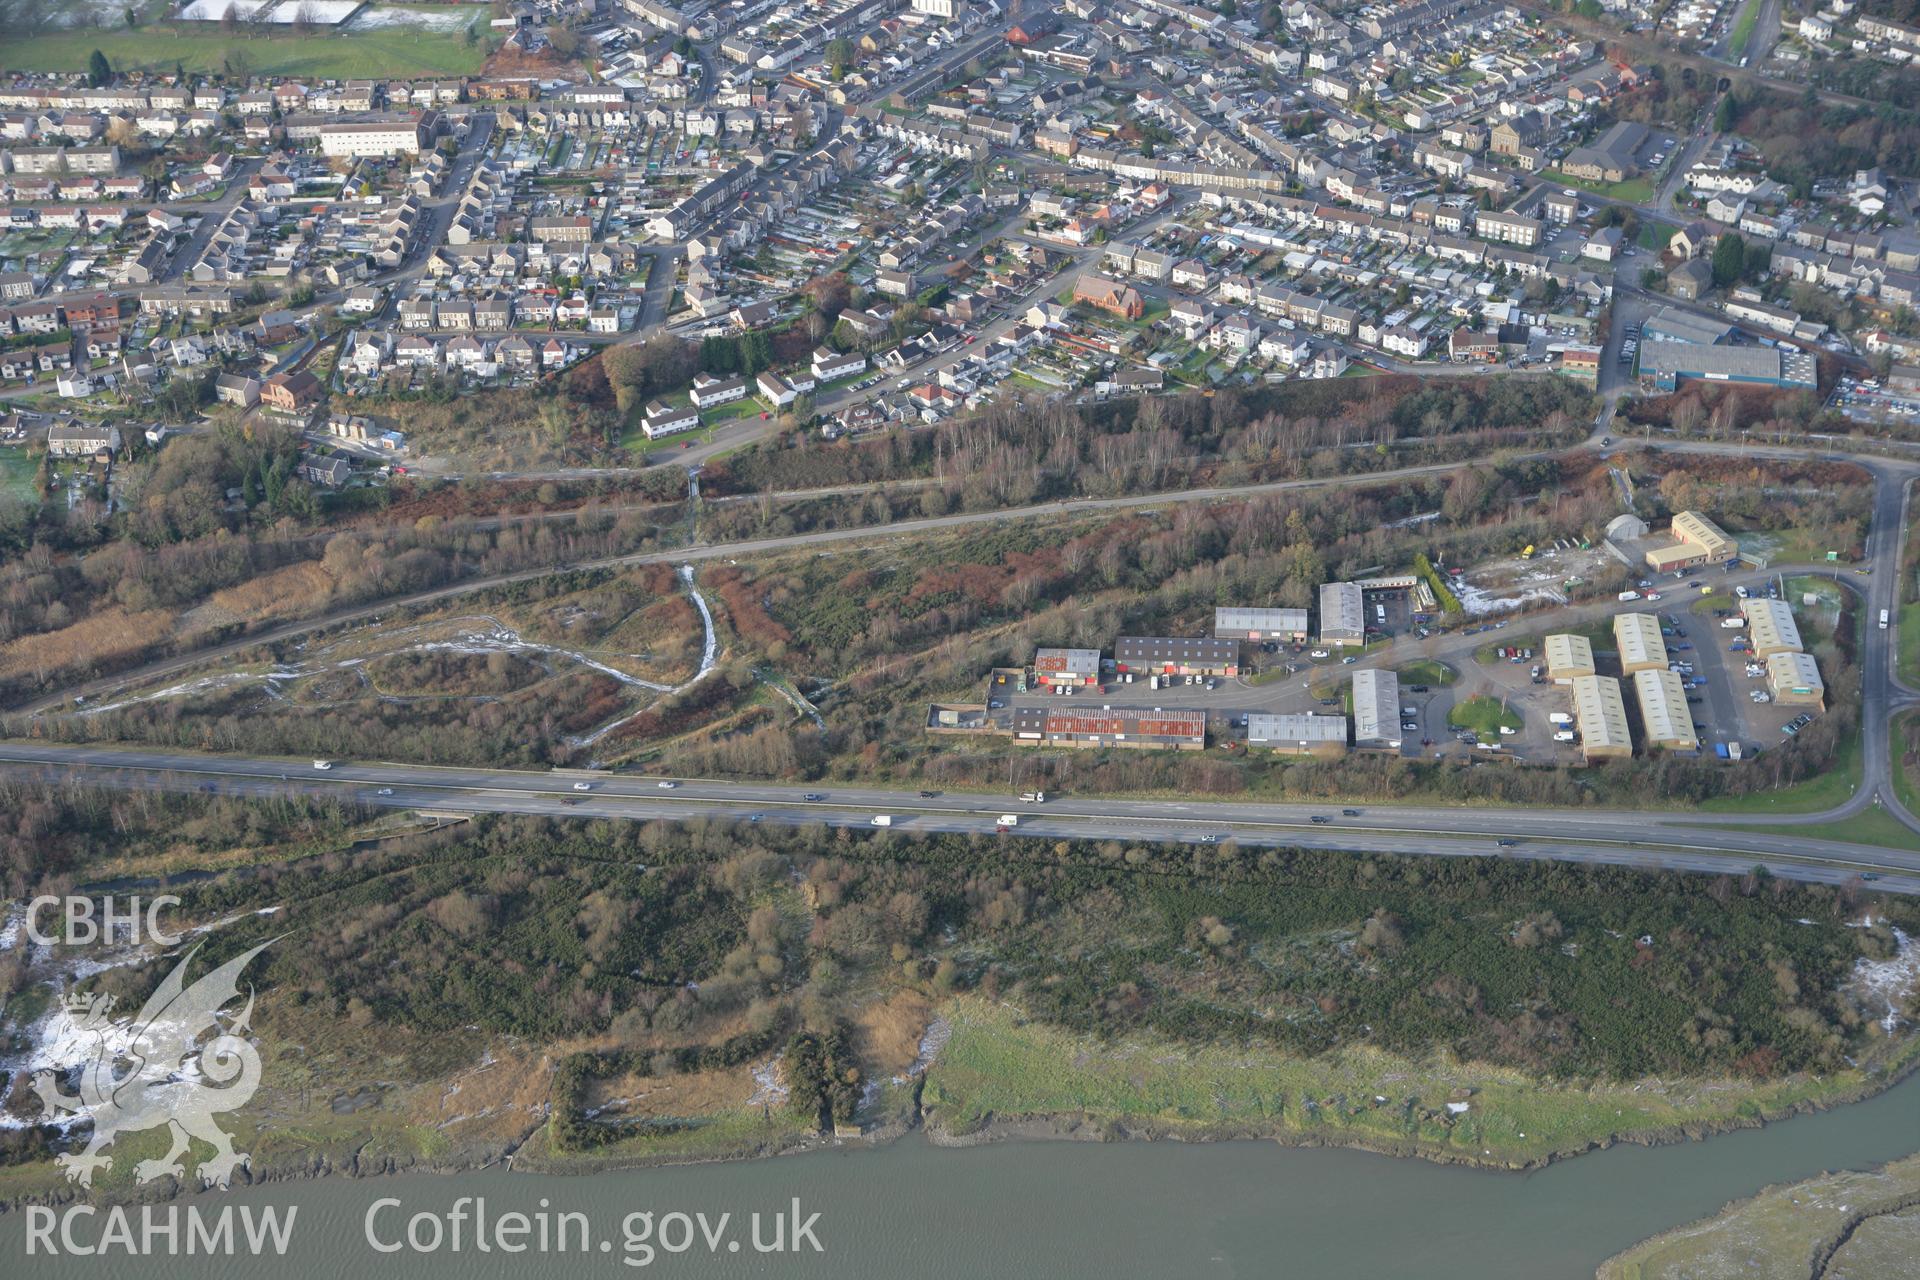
x,y
1875,827
1426,671
1485,715
1907,662
1743,28
1835,786
999,1066
1905,788
202,47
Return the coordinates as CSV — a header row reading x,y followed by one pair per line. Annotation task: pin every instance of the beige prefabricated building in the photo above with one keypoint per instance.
x,y
1640,643
1568,656
1602,716
1664,716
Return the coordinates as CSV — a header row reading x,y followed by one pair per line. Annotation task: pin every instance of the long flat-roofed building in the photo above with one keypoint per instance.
x,y
1602,716
1770,627
1664,717
1260,624
1300,735
1641,646
1177,655
1568,656
1376,710
1120,727
1066,666
1668,364
1343,613
1795,680
1696,541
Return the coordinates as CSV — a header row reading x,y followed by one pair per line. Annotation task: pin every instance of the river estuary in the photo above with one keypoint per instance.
x,y
1060,1210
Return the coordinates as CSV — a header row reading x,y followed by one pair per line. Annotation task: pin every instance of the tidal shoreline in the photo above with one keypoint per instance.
x,y
1075,1127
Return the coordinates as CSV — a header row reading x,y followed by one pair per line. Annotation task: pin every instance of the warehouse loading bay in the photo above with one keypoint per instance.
x,y
1446,668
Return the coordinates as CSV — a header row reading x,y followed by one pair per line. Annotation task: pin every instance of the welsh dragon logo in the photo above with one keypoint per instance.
x,y
168,1079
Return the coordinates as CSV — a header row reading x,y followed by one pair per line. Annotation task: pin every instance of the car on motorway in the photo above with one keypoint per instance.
x,y
1209,838
1318,653
1351,813
664,786
812,796
755,817
384,791
927,795
323,764
1506,844
1321,818
583,786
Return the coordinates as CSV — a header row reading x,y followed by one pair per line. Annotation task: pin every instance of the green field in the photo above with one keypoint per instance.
x,y
16,474
202,47
1485,716
1632,191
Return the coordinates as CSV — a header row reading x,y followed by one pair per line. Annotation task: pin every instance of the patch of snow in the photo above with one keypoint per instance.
x,y
1888,981
1480,601
768,1088
374,18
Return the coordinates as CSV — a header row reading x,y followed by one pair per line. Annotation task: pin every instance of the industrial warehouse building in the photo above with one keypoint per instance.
x,y
1637,636
1260,624
1568,657
1696,541
1602,717
1668,364
1123,727
1376,710
1770,627
1066,666
1343,614
1795,681
1177,655
1299,735
1664,717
